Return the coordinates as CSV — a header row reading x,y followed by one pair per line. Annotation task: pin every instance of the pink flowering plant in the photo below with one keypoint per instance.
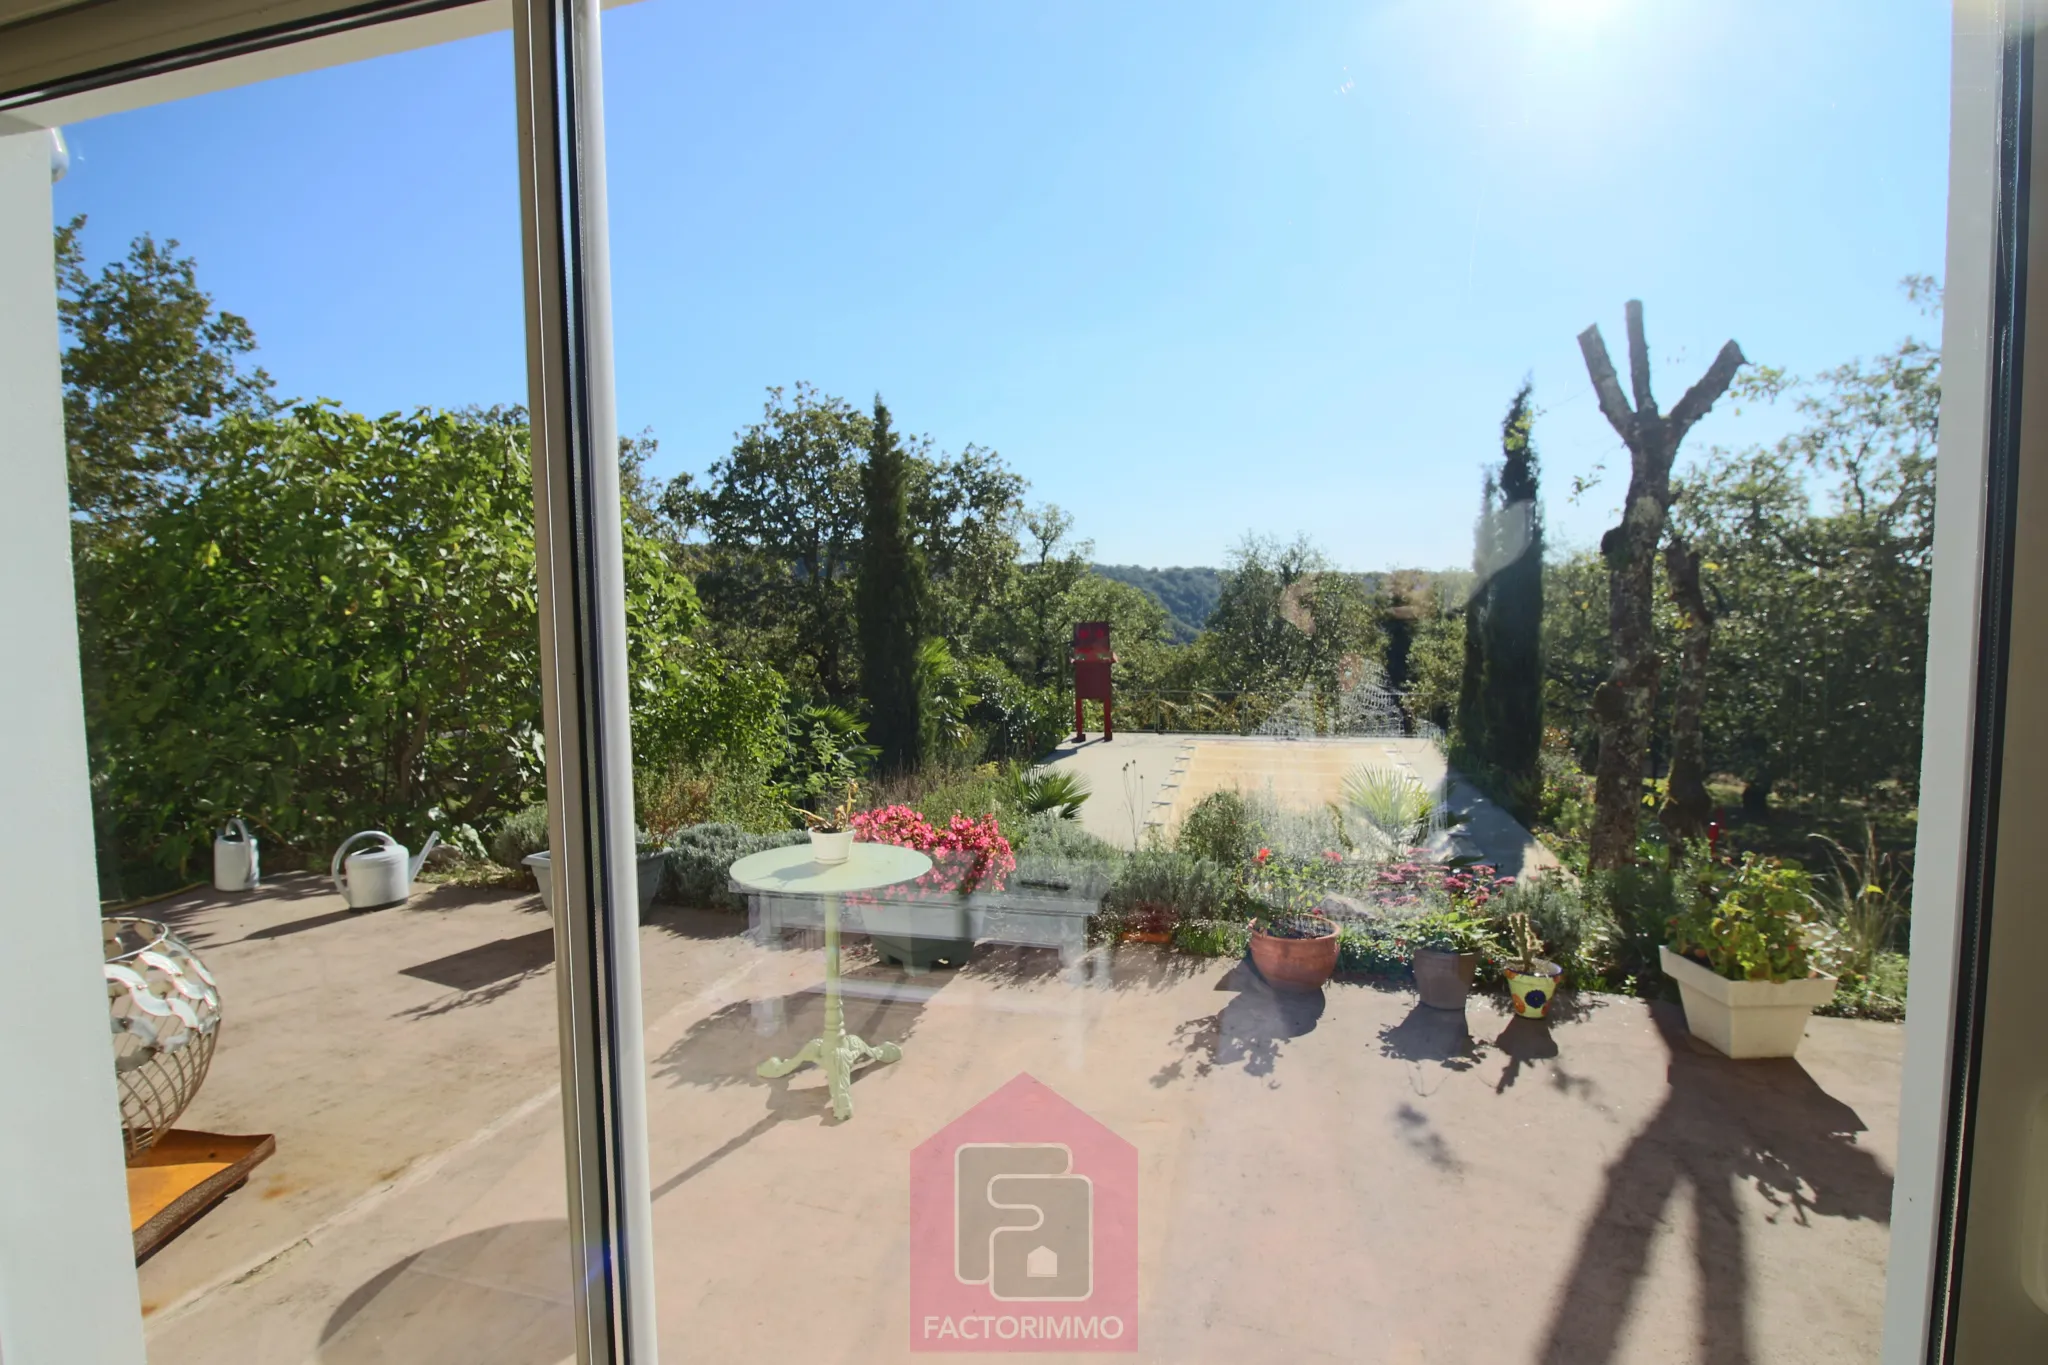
x,y
968,855
1421,885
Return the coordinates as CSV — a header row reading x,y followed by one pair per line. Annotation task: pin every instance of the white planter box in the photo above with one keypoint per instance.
x,y
1745,1018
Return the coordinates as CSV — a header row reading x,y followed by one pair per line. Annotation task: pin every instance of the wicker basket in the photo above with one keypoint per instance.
x,y
164,1011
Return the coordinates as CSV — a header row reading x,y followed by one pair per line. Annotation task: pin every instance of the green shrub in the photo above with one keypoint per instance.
x,y
1211,937
1748,922
1370,947
1219,829
939,793
703,855
1636,905
1157,889
1449,931
327,624
522,834
1014,719
1054,836
1879,995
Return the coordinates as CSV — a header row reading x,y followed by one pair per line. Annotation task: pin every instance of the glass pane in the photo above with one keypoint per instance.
x,y
1238,364
294,364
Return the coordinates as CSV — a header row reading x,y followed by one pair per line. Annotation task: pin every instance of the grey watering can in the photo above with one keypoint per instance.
x,y
380,876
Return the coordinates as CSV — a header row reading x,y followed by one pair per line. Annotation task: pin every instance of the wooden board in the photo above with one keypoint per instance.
x,y
183,1176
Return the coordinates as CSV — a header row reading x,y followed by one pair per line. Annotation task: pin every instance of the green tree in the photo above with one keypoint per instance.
x,y
1499,737
1821,610
329,623
782,517
1624,705
890,604
149,363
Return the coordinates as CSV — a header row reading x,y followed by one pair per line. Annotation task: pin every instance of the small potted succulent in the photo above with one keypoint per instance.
x,y
832,832
1447,947
1293,944
1740,956
1531,980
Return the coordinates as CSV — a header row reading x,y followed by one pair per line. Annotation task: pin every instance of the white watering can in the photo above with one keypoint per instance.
x,y
234,858
380,876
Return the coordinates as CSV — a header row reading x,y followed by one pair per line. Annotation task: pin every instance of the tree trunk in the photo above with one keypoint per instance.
x,y
1687,807
1623,704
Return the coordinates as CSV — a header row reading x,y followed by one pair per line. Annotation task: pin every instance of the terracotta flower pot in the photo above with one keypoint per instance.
x,y
1302,964
1154,924
1444,979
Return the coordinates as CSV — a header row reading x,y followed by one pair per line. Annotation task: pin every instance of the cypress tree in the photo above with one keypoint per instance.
x,y
1500,704
889,600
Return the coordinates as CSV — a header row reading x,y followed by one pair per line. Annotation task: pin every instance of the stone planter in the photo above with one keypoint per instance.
x,y
1444,979
650,866
1533,991
543,869
648,870
919,935
1300,964
1745,1019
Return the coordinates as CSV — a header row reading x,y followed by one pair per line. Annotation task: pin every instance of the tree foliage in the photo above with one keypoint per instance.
x,y
148,363
1499,735
889,603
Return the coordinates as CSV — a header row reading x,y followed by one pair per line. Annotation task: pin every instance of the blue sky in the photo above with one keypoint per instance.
x,y
1194,269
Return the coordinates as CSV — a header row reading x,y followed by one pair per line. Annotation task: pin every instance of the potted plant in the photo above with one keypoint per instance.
x,y
1531,980
664,806
1293,944
1739,954
1447,946
832,832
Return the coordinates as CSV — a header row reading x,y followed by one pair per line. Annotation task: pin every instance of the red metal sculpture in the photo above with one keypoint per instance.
x,y
1091,659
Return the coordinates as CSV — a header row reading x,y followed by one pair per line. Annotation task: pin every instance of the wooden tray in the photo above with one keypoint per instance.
x,y
183,1176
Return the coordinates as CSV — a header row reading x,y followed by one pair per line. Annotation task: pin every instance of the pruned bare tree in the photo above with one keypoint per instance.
x,y
1686,803
1622,706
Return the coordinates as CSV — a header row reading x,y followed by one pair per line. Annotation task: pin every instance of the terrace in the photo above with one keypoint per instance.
x,y
1340,1176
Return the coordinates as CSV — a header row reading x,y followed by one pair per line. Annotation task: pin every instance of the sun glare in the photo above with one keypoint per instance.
x,y
1575,12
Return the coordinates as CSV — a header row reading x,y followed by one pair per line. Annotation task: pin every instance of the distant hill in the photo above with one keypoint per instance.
x,y
1188,595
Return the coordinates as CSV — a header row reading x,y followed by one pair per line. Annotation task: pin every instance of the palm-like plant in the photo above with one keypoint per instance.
x,y
1400,809
1049,789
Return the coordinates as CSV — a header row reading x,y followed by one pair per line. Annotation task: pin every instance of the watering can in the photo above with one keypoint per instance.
x,y
234,858
380,876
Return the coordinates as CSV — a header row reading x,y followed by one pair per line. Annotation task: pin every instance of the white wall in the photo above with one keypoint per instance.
x,y
67,1265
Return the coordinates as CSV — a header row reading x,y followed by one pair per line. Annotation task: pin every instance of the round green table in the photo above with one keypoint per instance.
x,y
793,871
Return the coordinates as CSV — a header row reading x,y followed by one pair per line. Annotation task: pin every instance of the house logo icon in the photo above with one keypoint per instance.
x,y
1023,1217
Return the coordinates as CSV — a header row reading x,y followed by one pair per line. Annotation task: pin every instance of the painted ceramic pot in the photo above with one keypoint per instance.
x,y
1533,990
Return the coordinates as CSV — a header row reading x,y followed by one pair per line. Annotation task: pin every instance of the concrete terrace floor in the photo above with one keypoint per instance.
x,y
1347,1177
1142,782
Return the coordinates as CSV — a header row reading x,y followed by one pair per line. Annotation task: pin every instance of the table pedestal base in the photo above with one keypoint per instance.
x,y
840,1059
840,1053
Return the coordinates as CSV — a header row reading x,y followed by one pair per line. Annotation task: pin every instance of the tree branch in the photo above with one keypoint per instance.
x,y
1707,392
1606,386
1639,360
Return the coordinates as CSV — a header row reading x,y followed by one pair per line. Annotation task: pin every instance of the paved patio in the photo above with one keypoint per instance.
x,y
1346,1177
